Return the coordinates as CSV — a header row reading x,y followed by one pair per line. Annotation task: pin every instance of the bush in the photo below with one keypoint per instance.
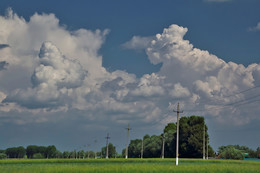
x,y
38,156
232,153
3,156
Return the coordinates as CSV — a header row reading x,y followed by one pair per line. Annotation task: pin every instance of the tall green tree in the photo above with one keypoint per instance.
x,y
191,136
66,154
190,141
134,148
111,151
89,154
31,150
16,152
50,151
170,141
152,146
34,149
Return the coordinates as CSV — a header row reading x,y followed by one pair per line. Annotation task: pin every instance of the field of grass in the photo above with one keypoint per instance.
x,y
129,165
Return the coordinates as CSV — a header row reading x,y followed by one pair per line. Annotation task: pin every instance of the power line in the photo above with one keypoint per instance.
x,y
234,104
166,114
162,118
243,91
227,96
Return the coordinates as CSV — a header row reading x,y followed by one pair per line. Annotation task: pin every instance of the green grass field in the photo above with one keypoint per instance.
x,y
129,165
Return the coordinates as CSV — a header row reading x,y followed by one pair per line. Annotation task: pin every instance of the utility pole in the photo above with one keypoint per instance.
x,y
142,149
177,140
126,149
107,145
204,142
163,138
88,150
115,150
207,148
95,149
84,152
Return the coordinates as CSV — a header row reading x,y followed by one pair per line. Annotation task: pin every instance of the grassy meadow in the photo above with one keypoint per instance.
x,y
123,165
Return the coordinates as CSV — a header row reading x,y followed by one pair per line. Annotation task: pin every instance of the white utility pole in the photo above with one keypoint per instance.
x,y
107,145
88,150
95,148
207,148
115,151
142,149
126,148
163,138
177,140
204,142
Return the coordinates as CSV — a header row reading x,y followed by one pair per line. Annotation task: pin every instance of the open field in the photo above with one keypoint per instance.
x,y
129,165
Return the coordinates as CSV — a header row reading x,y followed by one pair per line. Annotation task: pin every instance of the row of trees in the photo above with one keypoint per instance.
x,y
40,152
237,152
32,151
191,141
192,131
191,145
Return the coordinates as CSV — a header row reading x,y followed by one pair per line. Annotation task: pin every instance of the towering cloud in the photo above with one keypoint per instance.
x,y
54,70
51,80
199,79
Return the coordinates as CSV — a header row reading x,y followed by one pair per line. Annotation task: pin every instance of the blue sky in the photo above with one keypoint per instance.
x,y
122,72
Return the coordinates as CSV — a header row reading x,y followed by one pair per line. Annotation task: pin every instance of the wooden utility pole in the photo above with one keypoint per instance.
x,y
126,148
177,140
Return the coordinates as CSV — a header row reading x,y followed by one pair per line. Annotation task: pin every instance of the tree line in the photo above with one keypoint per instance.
x,y
193,132
43,152
31,151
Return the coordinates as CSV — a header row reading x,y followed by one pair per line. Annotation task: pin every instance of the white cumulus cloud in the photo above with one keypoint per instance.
x,y
208,80
56,70
137,43
255,28
179,91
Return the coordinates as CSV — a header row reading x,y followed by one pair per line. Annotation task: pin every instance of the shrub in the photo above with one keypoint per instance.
x,y
232,153
3,156
38,156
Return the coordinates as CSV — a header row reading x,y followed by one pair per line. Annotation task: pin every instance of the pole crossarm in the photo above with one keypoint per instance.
x,y
178,111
